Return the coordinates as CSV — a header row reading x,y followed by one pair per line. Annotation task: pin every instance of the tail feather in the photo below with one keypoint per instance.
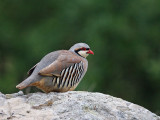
x,y
24,84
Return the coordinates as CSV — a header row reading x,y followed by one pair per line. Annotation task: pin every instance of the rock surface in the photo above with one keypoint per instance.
x,y
73,105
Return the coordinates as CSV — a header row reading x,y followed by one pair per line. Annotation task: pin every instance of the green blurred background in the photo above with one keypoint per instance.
x,y
124,35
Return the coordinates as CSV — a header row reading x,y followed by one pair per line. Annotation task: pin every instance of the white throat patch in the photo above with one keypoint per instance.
x,y
83,53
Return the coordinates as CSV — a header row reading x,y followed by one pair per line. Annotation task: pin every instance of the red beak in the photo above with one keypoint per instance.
x,y
90,52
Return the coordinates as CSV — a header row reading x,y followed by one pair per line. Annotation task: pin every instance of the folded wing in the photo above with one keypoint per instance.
x,y
63,61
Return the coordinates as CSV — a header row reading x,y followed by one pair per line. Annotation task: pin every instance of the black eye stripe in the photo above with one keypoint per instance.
x,y
81,49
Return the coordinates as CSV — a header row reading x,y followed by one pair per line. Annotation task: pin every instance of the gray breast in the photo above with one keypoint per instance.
x,y
69,76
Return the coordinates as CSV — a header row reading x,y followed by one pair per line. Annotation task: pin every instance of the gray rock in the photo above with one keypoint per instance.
x,y
73,105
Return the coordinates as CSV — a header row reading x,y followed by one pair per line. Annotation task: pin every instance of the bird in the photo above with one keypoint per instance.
x,y
59,71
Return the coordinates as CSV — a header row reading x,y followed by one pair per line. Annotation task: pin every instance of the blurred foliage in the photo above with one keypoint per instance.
x,y
124,34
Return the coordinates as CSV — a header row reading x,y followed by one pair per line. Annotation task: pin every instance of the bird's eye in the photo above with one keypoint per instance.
x,y
83,48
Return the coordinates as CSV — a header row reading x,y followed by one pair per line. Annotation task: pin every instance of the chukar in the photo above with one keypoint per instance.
x,y
59,71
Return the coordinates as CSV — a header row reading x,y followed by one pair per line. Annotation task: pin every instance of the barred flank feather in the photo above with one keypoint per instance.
x,y
69,76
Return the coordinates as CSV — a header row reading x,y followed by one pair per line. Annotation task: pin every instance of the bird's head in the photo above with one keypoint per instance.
x,y
82,49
